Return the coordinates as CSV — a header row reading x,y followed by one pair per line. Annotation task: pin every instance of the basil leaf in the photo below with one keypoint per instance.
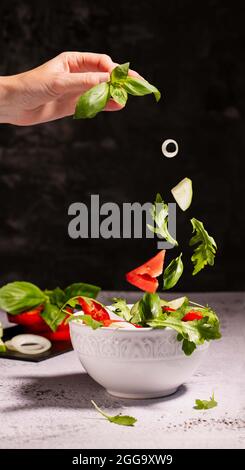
x,y
19,296
121,308
56,296
205,404
119,73
53,316
81,289
205,251
92,101
139,87
118,94
172,273
188,347
146,309
122,420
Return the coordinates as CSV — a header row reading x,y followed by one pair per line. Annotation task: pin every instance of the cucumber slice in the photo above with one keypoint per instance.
x,y
175,303
182,193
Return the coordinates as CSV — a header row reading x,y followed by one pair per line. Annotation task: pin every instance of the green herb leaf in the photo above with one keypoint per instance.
x,y
205,252
119,74
53,316
146,309
121,309
172,273
188,347
139,87
122,420
118,94
206,404
19,296
81,289
56,296
92,101
159,213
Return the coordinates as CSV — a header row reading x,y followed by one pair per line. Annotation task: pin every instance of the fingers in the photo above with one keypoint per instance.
x,y
113,106
79,82
88,62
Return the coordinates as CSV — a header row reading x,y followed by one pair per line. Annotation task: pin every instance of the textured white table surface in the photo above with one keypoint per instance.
x,y
47,404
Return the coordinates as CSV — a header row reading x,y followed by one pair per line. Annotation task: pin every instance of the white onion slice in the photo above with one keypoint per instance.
x,y
166,152
29,344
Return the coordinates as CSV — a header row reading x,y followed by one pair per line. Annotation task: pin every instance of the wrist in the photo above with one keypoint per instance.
x,y
5,99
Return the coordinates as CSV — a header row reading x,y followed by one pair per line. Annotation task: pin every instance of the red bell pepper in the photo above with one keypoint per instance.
x,y
93,308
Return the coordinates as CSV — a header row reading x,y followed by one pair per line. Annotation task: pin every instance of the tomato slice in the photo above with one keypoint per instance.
x,y
93,308
192,315
144,277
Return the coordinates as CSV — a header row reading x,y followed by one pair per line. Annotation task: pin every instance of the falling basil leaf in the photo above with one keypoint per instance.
x,y
122,420
119,73
172,273
92,101
139,87
118,94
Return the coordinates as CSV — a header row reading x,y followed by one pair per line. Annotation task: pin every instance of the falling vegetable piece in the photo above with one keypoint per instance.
x,y
183,193
159,213
144,277
172,273
205,250
120,85
122,420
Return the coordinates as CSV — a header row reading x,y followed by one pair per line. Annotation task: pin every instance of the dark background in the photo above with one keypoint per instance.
x,y
195,53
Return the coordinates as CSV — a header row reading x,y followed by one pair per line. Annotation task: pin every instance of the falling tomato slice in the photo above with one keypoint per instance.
x,y
144,277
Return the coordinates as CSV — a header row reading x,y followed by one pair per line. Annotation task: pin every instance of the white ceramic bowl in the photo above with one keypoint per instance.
x,y
135,363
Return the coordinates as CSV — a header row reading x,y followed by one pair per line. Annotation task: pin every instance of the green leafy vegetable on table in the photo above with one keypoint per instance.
x,y
120,85
122,420
205,404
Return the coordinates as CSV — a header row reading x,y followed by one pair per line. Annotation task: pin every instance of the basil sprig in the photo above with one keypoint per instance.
x,y
119,86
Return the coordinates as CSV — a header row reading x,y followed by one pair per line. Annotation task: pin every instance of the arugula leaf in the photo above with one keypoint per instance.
x,y
2,345
118,94
122,420
87,319
92,101
53,316
205,404
81,289
19,296
159,213
139,87
173,272
119,74
205,251
121,308
195,332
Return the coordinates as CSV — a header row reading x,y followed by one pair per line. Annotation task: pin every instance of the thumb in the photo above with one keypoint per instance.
x,y
81,82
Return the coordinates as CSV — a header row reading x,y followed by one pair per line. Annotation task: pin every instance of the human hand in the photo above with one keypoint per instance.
x,y
51,90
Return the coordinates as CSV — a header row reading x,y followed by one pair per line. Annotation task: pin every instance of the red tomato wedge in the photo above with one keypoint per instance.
x,y
144,277
192,315
93,308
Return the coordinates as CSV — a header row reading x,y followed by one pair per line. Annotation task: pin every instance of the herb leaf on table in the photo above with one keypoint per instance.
x,y
205,404
122,420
